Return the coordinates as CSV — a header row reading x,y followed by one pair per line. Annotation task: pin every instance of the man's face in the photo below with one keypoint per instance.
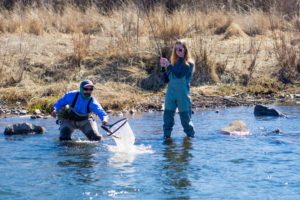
x,y
88,90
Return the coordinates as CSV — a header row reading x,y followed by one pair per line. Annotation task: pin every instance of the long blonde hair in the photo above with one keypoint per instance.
x,y
187,57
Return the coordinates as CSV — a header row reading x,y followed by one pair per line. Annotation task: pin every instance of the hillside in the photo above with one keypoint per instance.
x,y
45,53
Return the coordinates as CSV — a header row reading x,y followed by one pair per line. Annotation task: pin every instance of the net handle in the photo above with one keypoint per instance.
x,y
108,126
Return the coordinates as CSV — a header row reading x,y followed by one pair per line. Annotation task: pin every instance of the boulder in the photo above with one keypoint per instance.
x,y
23,112
236,127
260,110
37,112
23,129
132,111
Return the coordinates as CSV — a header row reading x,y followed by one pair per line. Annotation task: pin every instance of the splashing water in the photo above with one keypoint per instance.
x,y
123,136
125,139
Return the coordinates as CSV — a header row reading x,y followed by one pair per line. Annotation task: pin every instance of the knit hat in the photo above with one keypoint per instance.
x,y
86,83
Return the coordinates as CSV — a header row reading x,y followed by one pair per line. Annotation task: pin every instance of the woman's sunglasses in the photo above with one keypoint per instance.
x,y
179,49
88,89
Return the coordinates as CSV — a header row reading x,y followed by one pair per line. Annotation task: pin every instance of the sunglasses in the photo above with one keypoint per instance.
x,y
179,49
88,89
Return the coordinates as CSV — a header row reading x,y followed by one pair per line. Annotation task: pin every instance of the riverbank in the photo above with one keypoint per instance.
x,y
154,103
241,58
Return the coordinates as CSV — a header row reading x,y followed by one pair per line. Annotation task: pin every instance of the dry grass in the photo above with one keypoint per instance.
x,y
133,23
288,57
81,46
11,70
3,25
207,70
35,27
121,48
171,26
253,23
234,30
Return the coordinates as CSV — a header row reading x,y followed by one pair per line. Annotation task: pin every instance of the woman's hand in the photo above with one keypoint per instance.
x,y
164,62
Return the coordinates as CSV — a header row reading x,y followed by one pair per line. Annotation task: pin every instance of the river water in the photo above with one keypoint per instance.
x,y
264,165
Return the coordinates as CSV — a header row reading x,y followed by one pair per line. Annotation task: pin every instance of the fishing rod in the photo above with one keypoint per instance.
x,y
152,29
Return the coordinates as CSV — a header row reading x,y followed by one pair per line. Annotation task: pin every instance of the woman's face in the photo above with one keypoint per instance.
x,y
179,50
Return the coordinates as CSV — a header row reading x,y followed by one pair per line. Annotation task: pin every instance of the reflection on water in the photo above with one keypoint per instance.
x,y
121,160
175,167
79,158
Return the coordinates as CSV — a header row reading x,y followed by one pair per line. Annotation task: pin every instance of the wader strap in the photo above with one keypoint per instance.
x,y
88,105
75,99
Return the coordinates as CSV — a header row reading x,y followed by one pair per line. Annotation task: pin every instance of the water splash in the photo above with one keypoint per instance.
x,y
134,149
125,139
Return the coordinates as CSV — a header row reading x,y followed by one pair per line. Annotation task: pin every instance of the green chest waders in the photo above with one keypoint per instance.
x,y
177,96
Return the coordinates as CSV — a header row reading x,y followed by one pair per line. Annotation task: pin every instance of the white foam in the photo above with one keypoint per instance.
x,y
83,141
122,159
134,149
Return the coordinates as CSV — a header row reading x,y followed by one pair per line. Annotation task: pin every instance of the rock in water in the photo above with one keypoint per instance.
x,y
37,112
236,127
260,110
23,112
23,129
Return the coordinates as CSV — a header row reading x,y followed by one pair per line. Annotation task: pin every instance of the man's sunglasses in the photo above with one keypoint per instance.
x,y
88,89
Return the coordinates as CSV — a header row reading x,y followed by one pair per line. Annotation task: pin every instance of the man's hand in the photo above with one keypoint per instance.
x,y
104,122
53,114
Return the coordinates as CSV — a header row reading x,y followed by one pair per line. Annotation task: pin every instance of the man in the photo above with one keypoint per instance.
x,y
74,112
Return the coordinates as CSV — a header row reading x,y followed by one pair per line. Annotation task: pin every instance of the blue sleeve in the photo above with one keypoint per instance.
x,y
190,72
97,108
166,74
65,100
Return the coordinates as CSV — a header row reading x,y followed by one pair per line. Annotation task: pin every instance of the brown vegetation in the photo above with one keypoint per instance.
x,y
243,43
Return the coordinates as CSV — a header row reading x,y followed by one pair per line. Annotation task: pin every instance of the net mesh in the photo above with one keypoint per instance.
x,y
123,135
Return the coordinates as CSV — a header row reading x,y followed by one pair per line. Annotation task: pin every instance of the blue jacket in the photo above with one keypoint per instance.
x,y
179,70
81,105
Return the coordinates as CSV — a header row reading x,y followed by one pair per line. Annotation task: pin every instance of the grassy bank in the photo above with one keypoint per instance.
x,y
45,53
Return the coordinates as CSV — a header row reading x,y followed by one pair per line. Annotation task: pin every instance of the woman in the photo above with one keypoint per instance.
x,y
178,73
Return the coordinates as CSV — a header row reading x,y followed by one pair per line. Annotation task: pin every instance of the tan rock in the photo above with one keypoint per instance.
x,y
236,127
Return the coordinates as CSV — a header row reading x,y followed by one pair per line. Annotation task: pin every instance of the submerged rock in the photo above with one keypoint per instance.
x,y
277,130
260,110
35,116
23,129
236,127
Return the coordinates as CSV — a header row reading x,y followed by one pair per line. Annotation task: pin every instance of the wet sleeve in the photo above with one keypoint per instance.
x,y
97,108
